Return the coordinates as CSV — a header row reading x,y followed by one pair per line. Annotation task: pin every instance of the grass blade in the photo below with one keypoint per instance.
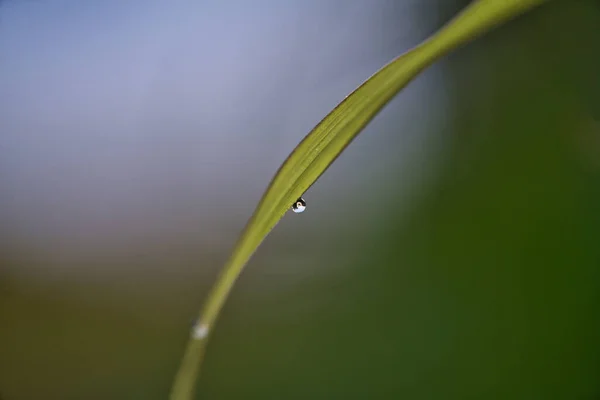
x,y
311,158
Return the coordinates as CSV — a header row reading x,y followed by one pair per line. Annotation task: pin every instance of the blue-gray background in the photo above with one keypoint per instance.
x,y
451,252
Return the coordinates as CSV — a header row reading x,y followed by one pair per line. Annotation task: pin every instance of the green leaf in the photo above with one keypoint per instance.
x,y
311,158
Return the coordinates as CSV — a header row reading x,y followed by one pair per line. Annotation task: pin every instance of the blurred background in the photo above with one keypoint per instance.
x,y
452,252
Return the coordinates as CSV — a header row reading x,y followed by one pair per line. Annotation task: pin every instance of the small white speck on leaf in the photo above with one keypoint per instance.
x,y
200,331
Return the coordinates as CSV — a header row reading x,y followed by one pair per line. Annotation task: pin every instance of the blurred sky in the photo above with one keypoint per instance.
x,y
139,121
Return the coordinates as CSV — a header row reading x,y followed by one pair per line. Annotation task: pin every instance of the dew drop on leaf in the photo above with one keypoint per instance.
x,y
199,331
299,205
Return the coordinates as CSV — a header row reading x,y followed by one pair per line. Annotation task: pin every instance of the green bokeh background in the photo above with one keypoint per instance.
x,y
488,287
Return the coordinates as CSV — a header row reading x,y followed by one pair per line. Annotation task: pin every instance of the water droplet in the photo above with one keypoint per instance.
x,y
199,331
299,205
